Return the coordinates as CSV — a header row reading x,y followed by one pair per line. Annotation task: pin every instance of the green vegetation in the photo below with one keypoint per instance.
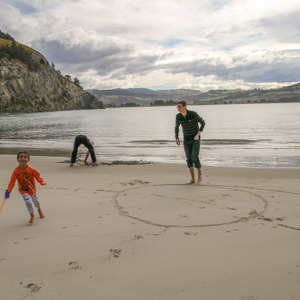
x,y
163,103
130,104
284,94
13,50
77,82
146,97
17,104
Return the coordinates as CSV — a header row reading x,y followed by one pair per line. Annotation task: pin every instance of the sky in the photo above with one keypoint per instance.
x,y
163,44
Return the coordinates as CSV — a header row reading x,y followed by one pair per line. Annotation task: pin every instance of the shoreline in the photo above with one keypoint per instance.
x,y
66,155
16,112
119,231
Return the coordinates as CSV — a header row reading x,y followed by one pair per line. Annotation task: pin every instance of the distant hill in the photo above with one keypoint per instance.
x,y
141,96
145,97
28,83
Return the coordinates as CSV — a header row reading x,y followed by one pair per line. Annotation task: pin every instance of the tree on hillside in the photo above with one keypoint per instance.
x,y
162,103
77,82
68,77
6,36
17,51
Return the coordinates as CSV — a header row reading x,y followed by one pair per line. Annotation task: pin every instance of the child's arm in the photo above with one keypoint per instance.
x,y
12,181
11,184
38,177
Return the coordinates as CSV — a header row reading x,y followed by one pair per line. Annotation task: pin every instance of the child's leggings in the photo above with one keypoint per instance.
x,y
27,198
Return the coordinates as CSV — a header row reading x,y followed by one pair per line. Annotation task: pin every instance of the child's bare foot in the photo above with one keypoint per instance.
x,y
42,216
31,220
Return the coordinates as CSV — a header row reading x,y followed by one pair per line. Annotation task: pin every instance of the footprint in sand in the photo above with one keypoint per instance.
x,y
191,233
74,265
33,287
137,237
183,216
135,182
115,252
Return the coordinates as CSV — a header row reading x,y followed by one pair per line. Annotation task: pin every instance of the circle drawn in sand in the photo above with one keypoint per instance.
x,y
189,206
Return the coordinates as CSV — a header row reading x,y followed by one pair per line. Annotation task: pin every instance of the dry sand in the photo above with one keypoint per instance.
x,y
138,232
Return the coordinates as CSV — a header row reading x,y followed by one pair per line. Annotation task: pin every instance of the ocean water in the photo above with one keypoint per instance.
x,y
247,135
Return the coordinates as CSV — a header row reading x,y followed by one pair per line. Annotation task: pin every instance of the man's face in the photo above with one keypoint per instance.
x,y
181,108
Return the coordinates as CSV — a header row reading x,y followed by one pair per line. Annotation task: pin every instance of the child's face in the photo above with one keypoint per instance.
x,y
23,160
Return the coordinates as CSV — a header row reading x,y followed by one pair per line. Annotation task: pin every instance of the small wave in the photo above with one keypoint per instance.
x,y
139,146
230,141
160,142
203,141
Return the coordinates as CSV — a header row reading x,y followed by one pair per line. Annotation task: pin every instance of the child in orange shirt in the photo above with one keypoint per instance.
x,y
25,175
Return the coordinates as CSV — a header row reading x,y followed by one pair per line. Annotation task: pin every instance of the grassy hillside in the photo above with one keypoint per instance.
x,y
8,43
144,97
285,94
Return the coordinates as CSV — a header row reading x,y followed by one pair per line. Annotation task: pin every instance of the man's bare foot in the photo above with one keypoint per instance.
x,y
191,181
199,179
199,175
31,220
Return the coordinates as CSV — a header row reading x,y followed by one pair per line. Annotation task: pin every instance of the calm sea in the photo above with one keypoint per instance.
x,y
255,135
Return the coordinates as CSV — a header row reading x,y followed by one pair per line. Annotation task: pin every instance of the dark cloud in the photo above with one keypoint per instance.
x,y
142,64
285,27
279,70
111,59
119,62
79,58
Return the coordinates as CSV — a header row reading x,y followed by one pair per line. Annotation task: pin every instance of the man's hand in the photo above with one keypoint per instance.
x,y
178,142
43,183
197,136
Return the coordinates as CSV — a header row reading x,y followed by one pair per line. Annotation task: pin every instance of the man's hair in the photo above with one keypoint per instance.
x,y
182,102
23,152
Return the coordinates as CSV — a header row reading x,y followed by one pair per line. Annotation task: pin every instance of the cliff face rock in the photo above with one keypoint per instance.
x,y
44,89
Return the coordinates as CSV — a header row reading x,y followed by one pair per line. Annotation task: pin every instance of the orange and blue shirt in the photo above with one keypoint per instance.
x,y
25,178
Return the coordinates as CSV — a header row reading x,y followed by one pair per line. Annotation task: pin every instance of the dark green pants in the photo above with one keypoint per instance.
x,y
192,149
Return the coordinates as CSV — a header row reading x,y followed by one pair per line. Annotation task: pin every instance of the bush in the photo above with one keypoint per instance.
x,y
16,51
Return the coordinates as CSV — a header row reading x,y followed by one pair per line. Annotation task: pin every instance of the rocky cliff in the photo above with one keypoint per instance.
x,y
42,88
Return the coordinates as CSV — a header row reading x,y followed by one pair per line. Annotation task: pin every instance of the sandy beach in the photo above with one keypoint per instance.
x,y
139,232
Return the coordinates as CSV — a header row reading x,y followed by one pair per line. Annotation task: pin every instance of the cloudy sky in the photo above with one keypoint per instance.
x,y
163,44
